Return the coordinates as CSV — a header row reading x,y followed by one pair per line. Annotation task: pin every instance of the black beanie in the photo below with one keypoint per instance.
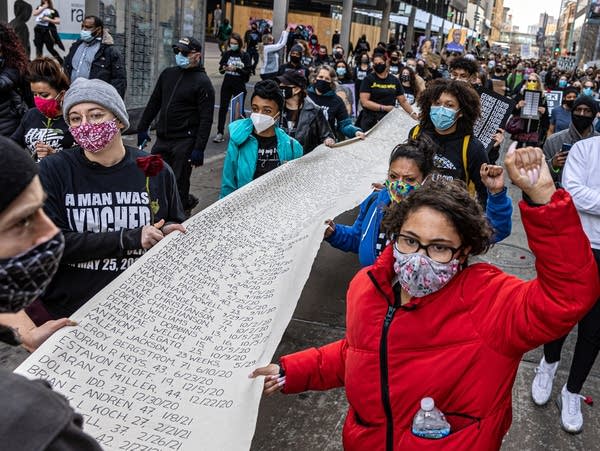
x,y
586,100
17,170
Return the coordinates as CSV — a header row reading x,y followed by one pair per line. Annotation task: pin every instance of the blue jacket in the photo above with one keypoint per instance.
x,y
242,154
361,237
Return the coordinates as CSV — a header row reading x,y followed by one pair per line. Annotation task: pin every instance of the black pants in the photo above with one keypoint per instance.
x,y
41,36
586,347
228,90
177,153
253,54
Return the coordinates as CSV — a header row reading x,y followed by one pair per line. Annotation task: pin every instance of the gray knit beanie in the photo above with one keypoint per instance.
x,y
95,91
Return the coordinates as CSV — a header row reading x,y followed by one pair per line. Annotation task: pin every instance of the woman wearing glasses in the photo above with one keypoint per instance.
x,y
410,165
422,323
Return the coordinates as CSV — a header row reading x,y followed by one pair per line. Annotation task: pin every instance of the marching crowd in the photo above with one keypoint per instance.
x,y
78,206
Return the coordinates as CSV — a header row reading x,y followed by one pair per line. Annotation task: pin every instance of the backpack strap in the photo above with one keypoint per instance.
x,y
465,147
415,132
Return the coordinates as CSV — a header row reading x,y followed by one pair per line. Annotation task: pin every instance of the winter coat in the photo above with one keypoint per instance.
x,y
12,105
107,65
312,128
461,345
242,154
553,145
361,237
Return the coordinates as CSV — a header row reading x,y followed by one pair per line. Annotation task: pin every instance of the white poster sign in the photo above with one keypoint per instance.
x,y
160,358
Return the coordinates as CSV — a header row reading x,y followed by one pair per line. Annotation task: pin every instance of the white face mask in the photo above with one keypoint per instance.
x,y
261,122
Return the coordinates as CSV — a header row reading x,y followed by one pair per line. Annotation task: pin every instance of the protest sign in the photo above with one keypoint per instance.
x,y
532,103
236,107
495,111
161,356
553,100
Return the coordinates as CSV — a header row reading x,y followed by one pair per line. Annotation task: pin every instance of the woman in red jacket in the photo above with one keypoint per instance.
x,y
421,323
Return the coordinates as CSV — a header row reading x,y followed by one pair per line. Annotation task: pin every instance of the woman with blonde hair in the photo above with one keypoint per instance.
x,y
529,131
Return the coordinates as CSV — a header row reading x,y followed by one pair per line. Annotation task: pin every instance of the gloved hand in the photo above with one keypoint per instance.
x,y
197,157
143,139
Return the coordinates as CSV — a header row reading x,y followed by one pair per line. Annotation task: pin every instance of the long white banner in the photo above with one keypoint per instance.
x,y
160,358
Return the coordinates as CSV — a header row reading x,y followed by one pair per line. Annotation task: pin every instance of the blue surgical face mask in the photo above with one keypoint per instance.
x,y
182,61
443,118
562,83
588,92
234,47
341,71
86,35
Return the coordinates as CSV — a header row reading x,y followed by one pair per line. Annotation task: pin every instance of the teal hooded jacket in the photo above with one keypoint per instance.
x,y
242,154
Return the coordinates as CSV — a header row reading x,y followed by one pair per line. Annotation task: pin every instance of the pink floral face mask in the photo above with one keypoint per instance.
x,y
419,275
95,137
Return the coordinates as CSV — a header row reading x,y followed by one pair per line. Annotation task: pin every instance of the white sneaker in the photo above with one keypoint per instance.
x,y
541,387
569,404
219,138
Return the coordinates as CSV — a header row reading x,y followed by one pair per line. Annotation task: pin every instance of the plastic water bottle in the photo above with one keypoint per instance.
x,y
429,422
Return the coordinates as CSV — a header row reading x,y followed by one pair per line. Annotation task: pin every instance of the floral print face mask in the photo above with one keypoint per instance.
x,y
94,137
419,275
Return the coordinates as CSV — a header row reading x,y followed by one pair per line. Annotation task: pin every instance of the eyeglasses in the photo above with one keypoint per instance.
x,y
438,252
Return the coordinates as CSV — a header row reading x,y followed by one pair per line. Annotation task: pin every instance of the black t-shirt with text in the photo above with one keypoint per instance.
x,y
268,157
384,91
101,211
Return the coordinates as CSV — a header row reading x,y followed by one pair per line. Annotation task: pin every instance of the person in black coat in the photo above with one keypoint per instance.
x,y
185,98
30,250
104,62
13,67
236,65
22,11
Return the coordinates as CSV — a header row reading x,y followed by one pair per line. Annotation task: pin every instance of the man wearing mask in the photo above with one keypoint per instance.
x,y
94,55
30,250
252,39
561,115
557,146
589,89
257,145
185,98
295,64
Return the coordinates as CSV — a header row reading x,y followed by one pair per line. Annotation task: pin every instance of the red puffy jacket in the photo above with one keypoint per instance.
x,y
461,345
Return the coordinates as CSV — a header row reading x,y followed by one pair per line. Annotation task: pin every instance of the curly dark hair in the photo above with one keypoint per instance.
x,y
467,97
48,71
465,64
270,90
12,50
421,151
452,199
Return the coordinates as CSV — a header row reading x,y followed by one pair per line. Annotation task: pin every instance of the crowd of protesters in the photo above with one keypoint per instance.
x,y
444,200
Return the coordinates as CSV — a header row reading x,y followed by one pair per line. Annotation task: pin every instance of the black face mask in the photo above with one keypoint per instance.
x,y
405,78
295,59
288,92
364,62
582,123
25,277
568,103
379,68
323,86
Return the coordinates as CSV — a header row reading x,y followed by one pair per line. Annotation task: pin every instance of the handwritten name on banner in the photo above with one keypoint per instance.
x,y
161,357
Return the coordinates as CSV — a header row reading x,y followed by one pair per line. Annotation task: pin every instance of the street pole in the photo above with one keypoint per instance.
x,y
385,21
410,31
346,25
280,11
